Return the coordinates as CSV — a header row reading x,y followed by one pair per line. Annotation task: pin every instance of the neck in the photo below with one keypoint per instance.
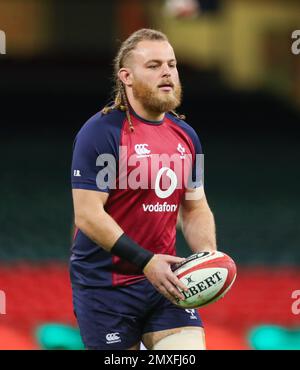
x,y
141,111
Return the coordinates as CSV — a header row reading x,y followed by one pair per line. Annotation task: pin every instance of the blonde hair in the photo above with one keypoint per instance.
x,y
120,98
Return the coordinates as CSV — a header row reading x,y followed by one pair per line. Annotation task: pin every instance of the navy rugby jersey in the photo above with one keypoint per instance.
x,y
146,178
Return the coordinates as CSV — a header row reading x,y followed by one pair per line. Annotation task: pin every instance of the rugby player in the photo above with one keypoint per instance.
x,y
126,204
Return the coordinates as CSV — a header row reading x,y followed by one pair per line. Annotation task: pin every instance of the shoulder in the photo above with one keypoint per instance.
x,y
101,133
104,124
189,130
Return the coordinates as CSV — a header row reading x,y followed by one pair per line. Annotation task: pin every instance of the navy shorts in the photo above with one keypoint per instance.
x,y
117,317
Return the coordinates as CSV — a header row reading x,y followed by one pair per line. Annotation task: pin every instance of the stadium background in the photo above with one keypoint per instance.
x,y
241,93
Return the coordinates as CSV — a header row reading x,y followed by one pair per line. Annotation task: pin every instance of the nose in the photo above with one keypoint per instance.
x,y
166,72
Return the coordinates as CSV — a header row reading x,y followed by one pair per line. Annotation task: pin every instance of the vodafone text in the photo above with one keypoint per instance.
x,y
165,207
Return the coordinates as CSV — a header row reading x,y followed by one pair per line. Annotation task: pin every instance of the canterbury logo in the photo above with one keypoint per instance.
x,y
112,338
141,150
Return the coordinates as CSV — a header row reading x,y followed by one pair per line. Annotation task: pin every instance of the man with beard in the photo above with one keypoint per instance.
x,y
126,194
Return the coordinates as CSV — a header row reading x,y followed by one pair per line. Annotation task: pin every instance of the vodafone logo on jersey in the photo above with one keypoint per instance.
x,y
172,176
165,207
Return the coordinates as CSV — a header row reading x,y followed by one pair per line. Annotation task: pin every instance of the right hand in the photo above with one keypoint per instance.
x,y
158,272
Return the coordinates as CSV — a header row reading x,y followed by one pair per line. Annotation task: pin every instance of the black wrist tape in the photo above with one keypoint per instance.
x,y
130,251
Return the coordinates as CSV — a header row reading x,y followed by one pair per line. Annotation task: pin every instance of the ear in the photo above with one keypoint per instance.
x,y
125,75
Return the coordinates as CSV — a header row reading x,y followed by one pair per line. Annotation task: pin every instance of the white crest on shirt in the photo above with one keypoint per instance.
x,y
181,150
142,150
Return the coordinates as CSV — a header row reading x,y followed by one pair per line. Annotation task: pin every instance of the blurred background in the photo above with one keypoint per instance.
x,y
241,84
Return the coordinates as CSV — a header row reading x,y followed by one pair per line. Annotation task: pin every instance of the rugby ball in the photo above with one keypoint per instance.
x,y
208,276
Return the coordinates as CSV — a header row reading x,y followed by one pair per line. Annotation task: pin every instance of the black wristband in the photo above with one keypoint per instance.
x,y
130,251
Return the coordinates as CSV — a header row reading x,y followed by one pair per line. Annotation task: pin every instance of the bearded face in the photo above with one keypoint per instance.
x,y
151,77
161,98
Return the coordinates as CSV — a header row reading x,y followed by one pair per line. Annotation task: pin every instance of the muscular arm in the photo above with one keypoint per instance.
x,y
93,220
198,223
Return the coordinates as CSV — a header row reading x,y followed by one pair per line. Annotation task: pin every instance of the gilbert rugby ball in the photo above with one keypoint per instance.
x,y
208,276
